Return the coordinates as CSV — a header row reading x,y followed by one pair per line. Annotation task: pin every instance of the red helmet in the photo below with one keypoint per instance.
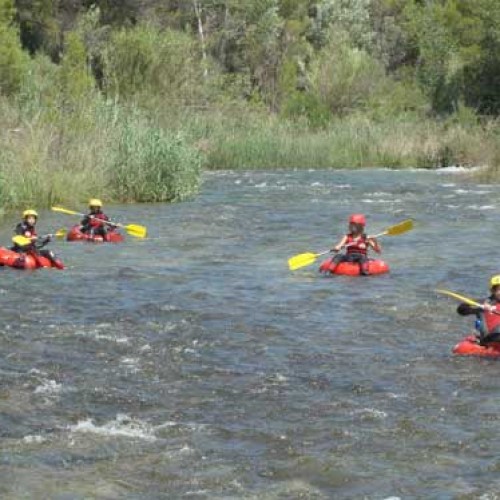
x,y
357,219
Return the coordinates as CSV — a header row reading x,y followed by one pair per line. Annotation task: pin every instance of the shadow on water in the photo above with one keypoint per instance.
x,y
194,364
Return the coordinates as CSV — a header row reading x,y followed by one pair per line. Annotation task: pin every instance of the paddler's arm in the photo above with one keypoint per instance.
x,y
465,309
340,244
373,243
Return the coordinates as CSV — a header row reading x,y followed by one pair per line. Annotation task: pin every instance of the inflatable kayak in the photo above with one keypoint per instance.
x,y
375,266
74,234
470,347
26,260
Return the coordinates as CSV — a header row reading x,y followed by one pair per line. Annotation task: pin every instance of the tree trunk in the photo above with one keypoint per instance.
x,y
197,11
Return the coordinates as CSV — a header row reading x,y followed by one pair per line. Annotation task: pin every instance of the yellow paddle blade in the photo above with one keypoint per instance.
x,y
60,233
459,297
64,211
400,228
302,260
21,241
136,230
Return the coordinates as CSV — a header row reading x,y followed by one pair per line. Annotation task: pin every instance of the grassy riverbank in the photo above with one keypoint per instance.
x,y
92,148
54,155
352,142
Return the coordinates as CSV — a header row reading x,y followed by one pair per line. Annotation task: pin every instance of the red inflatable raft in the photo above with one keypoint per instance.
x,y
375,266
112,236
26,260
469,347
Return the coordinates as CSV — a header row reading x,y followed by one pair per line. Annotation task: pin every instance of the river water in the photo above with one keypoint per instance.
x,y
194,364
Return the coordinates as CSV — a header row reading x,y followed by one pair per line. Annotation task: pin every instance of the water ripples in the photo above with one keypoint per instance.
x,y
195,365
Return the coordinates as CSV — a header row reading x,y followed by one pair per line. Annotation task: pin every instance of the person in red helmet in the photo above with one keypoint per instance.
x,y
356,243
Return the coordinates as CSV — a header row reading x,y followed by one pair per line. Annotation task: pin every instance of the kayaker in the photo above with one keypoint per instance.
x,y
91,224
488,315
356,243
27,229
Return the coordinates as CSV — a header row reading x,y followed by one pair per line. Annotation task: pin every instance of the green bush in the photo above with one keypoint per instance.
x,y
13,61
146,61
153,165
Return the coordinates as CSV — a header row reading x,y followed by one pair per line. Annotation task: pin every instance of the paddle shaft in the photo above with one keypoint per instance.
x,y
466,300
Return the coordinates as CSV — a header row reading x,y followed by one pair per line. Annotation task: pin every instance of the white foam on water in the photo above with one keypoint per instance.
x,y
34,439
396,396
123,426
370,412
481,207
190,426
36,371
99,336
472,191
369,200
132,364
453,169
48,388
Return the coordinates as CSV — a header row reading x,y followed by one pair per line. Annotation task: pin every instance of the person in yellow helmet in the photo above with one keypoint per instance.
x,y
93,222
27,229
488,315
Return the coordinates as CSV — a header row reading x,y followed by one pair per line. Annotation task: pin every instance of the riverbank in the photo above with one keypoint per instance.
x,y
123,154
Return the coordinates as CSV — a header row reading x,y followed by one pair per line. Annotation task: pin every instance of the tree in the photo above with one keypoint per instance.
x,y
14,63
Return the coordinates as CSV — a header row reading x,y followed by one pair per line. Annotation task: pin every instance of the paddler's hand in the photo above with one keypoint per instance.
x,y
488,307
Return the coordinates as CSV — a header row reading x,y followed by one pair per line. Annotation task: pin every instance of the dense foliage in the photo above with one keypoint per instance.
x,y
259,83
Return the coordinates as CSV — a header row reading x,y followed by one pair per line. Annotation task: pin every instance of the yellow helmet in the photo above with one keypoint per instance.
x,y
95,202
495,280
29,212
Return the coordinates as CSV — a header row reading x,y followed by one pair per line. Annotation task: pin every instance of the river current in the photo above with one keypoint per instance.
x,y
194,364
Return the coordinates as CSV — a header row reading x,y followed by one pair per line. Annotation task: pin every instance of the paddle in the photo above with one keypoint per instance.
x,y
132,229
22,241
308,258
466,300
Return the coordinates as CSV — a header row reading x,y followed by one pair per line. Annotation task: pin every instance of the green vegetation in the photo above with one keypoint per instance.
x,y
130,102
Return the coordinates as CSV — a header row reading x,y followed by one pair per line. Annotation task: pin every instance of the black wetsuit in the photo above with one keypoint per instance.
x,y
28,231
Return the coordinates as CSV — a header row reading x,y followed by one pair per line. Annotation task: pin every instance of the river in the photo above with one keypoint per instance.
x,y
194,364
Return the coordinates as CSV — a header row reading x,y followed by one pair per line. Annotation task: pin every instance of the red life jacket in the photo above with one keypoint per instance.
x,y
492,320
357,245
94,221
